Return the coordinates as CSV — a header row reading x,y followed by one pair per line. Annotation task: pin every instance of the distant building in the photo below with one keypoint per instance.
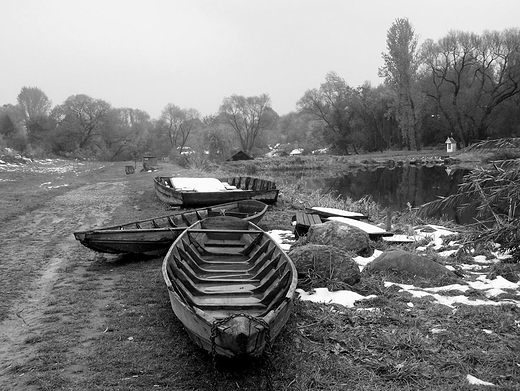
x,y
451,145
240,155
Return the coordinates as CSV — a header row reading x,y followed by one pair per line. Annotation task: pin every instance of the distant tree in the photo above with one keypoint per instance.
x,y
33,103
331,106
33,108
214,140
7,126
79,124
12,132
247,116
379,127
298,128
123,133
39,132
471,77
400,72
179,123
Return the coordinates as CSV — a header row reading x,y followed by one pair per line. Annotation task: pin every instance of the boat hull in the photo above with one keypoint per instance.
x,y
231,287
140,241
155,236
246,188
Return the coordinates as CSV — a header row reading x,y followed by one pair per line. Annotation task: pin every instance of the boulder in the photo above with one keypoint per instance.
x,y
322,265
409,266
341,236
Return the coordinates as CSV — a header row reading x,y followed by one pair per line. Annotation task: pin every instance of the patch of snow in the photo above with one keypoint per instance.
x,y
477,382
446,253
450,301
490,288
283,237
323,295
362,261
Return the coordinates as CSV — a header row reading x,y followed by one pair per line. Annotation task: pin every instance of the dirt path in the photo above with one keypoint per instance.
x,y
40,257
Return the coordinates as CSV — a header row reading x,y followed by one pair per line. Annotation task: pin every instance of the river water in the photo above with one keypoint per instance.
x,y
391,188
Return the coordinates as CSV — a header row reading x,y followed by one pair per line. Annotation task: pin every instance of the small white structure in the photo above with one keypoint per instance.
x,y
451,145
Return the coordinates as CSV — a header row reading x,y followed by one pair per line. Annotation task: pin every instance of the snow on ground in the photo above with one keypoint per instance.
x,y
57,166
284,238
492,289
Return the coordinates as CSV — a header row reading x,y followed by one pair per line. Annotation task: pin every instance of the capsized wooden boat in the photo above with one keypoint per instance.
x,y
211,191
302,221
332,212
231,285
154,236
373,231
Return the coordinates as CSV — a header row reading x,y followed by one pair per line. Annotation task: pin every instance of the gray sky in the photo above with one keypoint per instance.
x,y
144,54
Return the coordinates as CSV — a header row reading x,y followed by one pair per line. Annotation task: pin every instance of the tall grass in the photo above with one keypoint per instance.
x,y
495,194
298,197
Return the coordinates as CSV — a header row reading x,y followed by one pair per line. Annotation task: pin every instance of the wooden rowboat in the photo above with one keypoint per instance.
x,y
211,191
231,285
155,236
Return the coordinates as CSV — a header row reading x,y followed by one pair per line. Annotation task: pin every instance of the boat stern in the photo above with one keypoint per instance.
x,y
241,335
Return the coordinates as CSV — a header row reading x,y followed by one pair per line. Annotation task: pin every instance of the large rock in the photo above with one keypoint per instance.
x,y
409,266
323,265
341,236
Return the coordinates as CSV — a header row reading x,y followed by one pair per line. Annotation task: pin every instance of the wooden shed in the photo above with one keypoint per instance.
x,y
451,145
240,155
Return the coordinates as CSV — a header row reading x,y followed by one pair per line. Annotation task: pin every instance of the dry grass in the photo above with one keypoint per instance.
x,y
111,328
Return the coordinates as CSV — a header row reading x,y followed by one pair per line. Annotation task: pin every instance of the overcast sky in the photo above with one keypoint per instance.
x,y
144,54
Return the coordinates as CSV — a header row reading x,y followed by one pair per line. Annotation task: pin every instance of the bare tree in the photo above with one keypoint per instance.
x,y
247,116
79,121
179,124
331,106
470,76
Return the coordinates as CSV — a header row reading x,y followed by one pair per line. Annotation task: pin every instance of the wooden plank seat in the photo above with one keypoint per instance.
x,y
249,257
247,294
215,271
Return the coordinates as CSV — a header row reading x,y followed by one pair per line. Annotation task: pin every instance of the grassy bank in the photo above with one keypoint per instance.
x,y
105,322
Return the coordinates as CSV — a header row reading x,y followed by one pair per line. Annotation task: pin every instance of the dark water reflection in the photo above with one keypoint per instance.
x,y
391,188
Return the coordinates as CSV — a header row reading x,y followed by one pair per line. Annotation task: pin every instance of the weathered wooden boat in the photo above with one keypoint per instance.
x,y
211,191
373,231
155,236
302,221
334,212
231,285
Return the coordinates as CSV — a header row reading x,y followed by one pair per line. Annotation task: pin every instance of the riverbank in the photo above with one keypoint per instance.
x,y
327,163
71,318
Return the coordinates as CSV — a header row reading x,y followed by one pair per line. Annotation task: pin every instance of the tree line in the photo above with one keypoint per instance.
x,y
463,85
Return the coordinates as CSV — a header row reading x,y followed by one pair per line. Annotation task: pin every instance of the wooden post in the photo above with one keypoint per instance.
x,y
389,220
